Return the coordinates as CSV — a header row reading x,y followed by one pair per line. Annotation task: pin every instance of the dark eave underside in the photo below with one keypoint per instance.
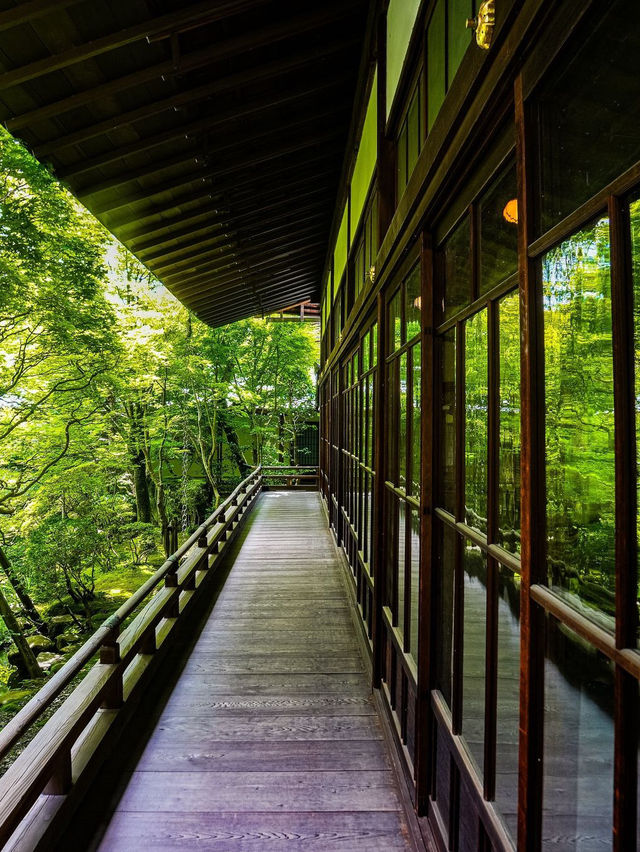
x,y
207,136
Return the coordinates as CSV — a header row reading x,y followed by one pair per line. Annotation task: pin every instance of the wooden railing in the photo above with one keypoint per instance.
x,y
61,753
291,477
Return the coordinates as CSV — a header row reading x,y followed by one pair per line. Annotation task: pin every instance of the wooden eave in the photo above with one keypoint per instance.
x,y
207,136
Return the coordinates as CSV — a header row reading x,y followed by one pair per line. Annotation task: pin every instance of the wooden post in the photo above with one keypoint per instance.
x,y
428,555
110,656
379,538
533,535
61,780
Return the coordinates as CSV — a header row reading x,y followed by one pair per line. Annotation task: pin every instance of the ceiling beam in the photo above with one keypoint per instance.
x,y
203,155
329,13
25,13
233,253
199,15
185,286
232,82
135,223
226,294
209,174
206,124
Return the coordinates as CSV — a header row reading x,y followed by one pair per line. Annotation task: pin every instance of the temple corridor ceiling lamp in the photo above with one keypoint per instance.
x,y
483,24
510,212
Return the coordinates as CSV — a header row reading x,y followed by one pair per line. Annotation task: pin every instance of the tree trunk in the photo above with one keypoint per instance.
x,y
23,595
143,503
234,445
27,656
281,438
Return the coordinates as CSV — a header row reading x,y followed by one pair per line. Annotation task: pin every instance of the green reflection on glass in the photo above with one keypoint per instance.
x,y
476,412
402,431
446,539
412,303
509,452
415,429
447,422
580,457
395,321
457,269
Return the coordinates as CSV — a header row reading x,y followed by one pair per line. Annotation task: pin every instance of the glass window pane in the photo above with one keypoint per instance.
x,y
395,321
508,703
442,781
579,421
366,345
415,582
413,303
402,160
416,442
509,399
374,344
447,540
457,269
413,132
402,433
590,112
400,563
476,448
458,36
474,654
578,744
436,63
391,445
447,424
498,210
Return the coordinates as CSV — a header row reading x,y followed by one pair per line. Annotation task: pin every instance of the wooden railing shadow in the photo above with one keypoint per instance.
x,y
41,787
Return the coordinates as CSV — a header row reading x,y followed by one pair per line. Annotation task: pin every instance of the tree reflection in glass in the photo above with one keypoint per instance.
x,y
580,460
447,424
509,452
476,409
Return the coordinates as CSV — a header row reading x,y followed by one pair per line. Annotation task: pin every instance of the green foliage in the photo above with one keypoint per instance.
x,y
120,413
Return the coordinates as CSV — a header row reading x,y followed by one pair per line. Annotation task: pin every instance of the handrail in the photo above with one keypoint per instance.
x,y
292,476
103,685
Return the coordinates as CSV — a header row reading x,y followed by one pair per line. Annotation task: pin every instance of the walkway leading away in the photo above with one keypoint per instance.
x,y
270,740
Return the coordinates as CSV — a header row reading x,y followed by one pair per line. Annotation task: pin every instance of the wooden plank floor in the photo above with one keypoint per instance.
x,y
270,740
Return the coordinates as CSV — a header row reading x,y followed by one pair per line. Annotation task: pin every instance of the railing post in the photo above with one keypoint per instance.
x,y
171,582
61,780
110,656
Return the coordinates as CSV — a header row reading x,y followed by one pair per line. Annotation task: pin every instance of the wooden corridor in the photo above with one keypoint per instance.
x,y
270,739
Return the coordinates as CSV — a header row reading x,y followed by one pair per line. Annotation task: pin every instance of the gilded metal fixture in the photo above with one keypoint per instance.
x,y
484,23
372,274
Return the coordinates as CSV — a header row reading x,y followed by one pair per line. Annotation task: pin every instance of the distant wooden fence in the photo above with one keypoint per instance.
x,y
65,753
290,477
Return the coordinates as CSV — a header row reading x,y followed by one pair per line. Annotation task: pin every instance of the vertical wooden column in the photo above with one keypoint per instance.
x,y
379,531
533,529
426,618
626,686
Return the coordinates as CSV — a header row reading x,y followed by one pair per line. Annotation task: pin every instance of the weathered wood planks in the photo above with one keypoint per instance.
x,y
269,740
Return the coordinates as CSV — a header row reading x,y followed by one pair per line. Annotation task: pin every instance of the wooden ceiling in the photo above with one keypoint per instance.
x,y
207,136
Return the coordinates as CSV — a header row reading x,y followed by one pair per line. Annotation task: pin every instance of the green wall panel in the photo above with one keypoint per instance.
x,y
459,37
341,249
366,159
401,16
436,66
